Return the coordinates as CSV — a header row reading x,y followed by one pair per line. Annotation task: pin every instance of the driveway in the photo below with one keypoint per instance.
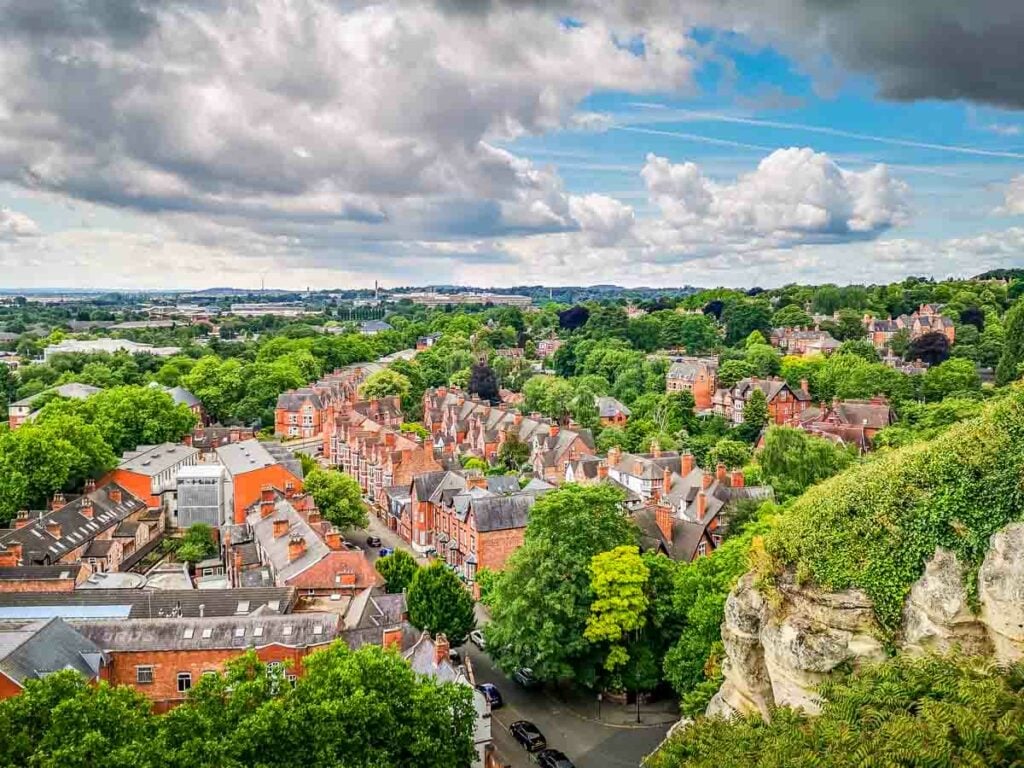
x,y
587,743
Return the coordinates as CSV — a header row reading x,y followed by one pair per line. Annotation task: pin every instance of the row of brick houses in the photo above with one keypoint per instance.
x,y
785,403
803,341
461,425
305,412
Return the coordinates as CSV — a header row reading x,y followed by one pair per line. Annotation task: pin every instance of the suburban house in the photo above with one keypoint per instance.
x,y
250,466
928,318
30,649
785,404
346,416
547,347
803,341
430,657
21,411
208,439
105,529
697,375
611,412
689,512
426,342
150,471
850,422
373,327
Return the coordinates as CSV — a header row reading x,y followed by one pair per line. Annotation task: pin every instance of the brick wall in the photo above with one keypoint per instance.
x,y
495,547
8,687
248,485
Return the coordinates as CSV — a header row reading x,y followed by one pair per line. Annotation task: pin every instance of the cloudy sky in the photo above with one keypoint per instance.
x,y
147,143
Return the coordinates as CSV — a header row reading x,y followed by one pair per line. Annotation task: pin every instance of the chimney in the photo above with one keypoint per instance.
x,y
476,481
15,549
22,519
553,430
333,539
289,490
114,494
313,518
702,504
614,456
663,516
296,548
602,469
86,508
686,464
7,558
202,610
90,485
736,478
706,480
805,387
389,439
53,528
392,638
266,509
666,481
441,649
460,401
267,493
655,449
236,559
517,418
442,391
280,527
58,501
720,472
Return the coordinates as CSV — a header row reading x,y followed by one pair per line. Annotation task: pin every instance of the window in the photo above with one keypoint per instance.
x,y
702,549
257,632
207,633
190,632
144,675
184,681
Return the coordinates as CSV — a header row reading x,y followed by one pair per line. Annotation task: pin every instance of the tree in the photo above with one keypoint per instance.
x,y
900,342
398,569
743,317
513,453
861,348
908,711
954,375
439,603
731,371
386,383
618,579
848,325
1013,346
197,544
733,453
755,414
483,383
338,497
541,602
932,348
573,318
755,339
763,359
792,460
791,316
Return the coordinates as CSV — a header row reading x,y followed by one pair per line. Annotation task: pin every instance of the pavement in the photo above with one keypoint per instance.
x,y
570,725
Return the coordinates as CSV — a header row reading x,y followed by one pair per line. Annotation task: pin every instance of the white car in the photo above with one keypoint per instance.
x,y
476,637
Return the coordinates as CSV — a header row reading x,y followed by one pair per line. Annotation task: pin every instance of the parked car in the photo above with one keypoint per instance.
x,y
492,694
476,637
553,758
524,676
528,735
352,547
385,551
373,541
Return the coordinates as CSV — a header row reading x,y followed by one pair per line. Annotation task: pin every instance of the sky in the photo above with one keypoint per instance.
x,y
326,144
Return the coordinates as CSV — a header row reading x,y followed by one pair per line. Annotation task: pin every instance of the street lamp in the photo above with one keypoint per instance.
x,y
600,696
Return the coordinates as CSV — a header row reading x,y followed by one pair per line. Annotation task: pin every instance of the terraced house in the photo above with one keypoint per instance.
x,y
303,412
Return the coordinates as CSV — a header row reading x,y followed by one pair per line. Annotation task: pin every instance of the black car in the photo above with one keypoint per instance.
x,y
373,541
528,734
553,758
492,694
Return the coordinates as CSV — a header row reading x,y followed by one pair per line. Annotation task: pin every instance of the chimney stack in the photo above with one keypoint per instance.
x,y
289,490
53,528
441,649
686,464
553,430
392,638
86,508
663,517
267,493
8,559
114,494
296,548
655,449
266,509
614,456
517,418
90,485
58,501
280,527
702,504
736,479
805,387
602,469
476,481
313,518
21,520
333,539
389,439
706,480
666,481
720,472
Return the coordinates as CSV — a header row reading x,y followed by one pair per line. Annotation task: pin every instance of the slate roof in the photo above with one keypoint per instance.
x,y
149,604
275,549
31,650
151,460
609,407
422,658
182,396
770,387
688,368
58,572
99,548
73,391
374,326
246,456
502,513
40,547
296,630
294,399
503,484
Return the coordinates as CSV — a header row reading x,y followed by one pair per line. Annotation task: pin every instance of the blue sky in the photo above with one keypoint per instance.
x,y
568,142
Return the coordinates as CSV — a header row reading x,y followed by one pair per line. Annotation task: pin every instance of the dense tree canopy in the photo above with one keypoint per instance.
x,y
338,497
440,603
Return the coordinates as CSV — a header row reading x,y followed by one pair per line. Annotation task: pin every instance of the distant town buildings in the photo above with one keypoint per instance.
x,y
927,319
785,404
21,411
283,309
109,346
431,299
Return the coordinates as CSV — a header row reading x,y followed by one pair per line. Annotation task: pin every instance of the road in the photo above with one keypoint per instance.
x,y
587,743
388,539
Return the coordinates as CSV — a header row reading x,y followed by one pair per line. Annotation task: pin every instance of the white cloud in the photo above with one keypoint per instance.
x,y
1013,197
14,225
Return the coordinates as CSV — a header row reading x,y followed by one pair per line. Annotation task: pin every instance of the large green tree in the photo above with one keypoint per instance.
x,y
398,570
541,602
439,603
792,460
1009,368
618,579
338,497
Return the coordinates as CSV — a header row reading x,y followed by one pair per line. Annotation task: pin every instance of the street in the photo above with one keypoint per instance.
x,y
587,743
387,537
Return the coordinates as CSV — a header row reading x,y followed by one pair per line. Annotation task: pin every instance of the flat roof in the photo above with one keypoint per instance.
x,y
153,459
246,456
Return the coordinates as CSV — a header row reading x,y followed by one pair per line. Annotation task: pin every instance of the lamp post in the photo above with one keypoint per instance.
x,y
638,706
600,696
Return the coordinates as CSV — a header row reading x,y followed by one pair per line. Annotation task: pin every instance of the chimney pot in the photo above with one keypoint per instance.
x,y
333,539
736,479
22,519
706,480
553,430
441,649
296,548
86,508
686,464
720,472
702,504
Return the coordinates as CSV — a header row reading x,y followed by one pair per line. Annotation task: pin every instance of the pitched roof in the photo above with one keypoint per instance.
x,y
246,456
294,399
73,391
34,649
152,460
275,548
609,407
151,604
502,513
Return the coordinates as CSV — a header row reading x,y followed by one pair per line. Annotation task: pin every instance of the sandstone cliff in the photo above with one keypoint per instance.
x,y
779,651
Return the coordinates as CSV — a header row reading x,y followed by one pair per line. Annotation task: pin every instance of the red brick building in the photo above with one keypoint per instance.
x,y
785,404
697,375
251,466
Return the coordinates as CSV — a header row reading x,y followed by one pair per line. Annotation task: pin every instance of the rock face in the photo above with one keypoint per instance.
x,y
778,653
